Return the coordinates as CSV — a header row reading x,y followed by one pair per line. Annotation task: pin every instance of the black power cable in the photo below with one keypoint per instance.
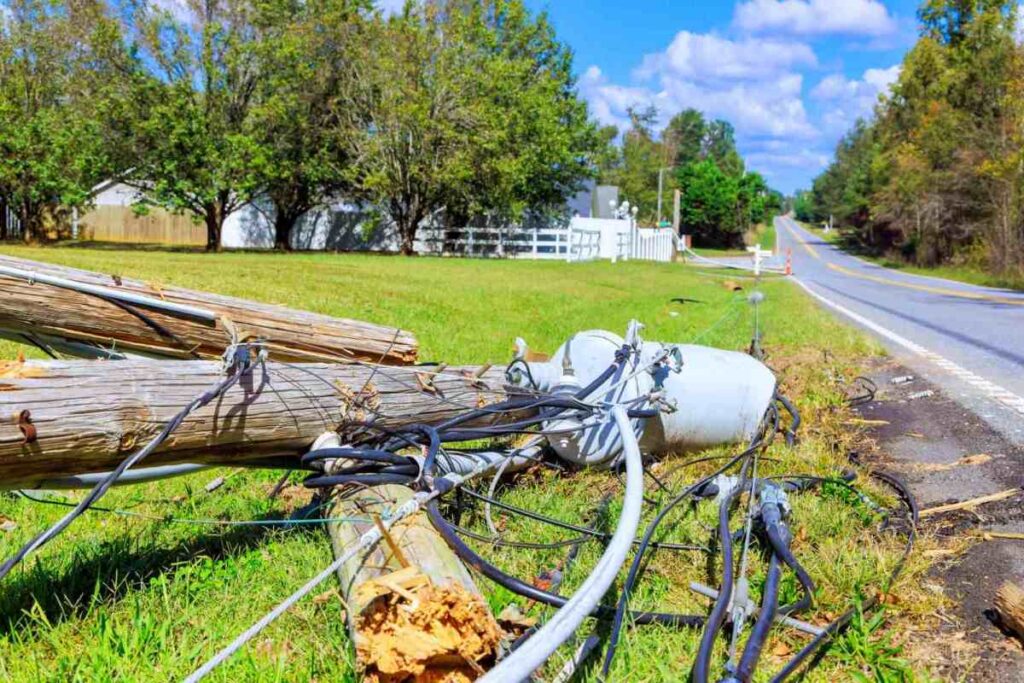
x,y
700,488
839,624
766,618
702,662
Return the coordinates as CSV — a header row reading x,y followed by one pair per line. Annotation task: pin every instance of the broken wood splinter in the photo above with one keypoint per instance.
x,y
973,502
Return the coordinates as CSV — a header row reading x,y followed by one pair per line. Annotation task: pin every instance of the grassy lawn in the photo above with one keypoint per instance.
x,y
150,593
832,236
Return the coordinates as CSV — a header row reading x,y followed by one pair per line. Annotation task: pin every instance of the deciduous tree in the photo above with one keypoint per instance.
x,y
468,107
61,65
197,148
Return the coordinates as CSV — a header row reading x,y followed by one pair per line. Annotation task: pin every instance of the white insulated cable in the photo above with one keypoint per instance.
x,y
519,665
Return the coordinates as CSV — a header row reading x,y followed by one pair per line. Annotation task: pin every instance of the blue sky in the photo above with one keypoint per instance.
x,y
791,75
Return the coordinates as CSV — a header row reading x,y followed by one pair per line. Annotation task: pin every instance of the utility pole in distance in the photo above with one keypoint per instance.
x,y
661,186
676,201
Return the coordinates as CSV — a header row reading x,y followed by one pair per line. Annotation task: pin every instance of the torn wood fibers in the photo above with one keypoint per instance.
x,y
414,611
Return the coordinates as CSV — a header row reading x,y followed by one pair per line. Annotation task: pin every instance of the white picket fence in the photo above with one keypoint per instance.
x,y
565,244
13,223
647,245
573,243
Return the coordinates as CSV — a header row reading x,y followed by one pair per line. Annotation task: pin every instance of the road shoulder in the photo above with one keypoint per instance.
x,y
947,454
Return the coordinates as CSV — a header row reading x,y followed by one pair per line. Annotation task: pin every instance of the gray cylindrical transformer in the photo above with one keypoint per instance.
x,y
717,397
720,398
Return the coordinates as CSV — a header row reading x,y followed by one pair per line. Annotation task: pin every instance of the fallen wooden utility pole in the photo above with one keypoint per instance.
x,y
82,313
60,418
414,611
1010,605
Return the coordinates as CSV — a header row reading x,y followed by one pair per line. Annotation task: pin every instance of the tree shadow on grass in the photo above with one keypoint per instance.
x,y
104,575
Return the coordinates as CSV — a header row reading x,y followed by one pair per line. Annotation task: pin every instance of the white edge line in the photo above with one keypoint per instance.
x,y
993,391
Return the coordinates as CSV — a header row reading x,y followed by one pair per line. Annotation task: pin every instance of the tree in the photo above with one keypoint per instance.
x,y
948,21
308,61
937,175
720,146
467,107
60,65
685,137
198,151
642,157
609,156
709,204
752,194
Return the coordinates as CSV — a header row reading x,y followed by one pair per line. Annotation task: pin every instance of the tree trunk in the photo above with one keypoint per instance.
x,y
408,240
28,218
284,223
64,315
408,223
214,218
3,219
87,416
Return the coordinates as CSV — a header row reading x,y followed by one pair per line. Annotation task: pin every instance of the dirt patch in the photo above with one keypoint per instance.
x,y
947,454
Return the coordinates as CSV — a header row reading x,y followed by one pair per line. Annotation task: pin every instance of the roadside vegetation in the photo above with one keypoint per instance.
x,y
153,589
936,179
970,271
762,234
720,200
204,106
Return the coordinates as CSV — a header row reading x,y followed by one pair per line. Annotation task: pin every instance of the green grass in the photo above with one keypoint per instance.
x,y
832,236
972,275
125,598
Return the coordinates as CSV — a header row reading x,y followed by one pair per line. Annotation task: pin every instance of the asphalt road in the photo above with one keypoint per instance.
x,y
967,339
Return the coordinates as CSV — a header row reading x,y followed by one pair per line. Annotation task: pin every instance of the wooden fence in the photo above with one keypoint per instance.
x,y
158,226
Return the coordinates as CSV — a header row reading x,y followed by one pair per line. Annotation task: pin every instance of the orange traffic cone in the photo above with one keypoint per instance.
x,y
789,261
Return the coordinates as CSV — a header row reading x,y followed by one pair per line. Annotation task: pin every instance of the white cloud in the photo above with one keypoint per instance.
x,y
853,99
783,129
815,17
707,57
609,102
770,107
752,83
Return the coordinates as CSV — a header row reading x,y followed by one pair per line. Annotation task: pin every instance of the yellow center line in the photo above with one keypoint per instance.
x,y
906,285
807,247
928,288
